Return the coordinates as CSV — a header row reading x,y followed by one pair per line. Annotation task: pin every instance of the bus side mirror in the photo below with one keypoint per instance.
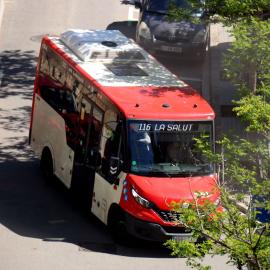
x,y
114,170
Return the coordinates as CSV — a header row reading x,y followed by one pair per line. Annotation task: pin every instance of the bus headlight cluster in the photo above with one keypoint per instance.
x,y
140,200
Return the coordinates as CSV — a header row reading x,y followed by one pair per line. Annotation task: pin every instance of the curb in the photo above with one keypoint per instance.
x,y
2,7
210,74
214,71
206,76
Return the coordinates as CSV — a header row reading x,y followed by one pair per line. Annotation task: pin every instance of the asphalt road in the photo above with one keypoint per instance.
x,y
42,226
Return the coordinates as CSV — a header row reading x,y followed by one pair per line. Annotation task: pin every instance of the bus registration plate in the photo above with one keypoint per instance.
x,y
183,238
171,49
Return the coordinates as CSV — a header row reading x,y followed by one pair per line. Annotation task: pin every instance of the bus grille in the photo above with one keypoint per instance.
x,y
168,216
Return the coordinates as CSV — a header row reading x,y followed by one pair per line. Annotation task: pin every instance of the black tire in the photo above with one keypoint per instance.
x,y
47,167
119,229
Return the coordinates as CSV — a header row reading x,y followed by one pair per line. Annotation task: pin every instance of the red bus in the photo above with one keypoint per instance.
x,y
116,126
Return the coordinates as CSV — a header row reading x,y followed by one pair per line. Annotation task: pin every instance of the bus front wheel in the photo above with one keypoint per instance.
x,y
118,228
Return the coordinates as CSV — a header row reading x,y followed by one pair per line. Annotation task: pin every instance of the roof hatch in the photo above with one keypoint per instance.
x,y
111,45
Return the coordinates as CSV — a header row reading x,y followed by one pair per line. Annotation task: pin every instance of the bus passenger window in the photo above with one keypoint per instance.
x,y
64,103
93,157
61,100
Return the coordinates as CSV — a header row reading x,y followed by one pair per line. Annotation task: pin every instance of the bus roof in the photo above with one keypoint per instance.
x,y
131,78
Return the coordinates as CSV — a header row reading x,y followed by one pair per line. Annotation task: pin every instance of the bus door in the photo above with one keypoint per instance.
x,y
87,156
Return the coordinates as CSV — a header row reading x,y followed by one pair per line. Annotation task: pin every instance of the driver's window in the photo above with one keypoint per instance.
x,y
110,142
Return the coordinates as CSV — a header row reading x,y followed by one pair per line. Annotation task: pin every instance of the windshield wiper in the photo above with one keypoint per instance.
x,y
157,170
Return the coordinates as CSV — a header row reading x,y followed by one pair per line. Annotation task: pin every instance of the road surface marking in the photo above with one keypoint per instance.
x,y
131,15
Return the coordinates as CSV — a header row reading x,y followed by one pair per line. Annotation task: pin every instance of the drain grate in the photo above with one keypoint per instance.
x,y
97,247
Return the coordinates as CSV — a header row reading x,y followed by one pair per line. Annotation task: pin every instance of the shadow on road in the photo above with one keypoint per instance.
x,y
19,69
127,28
30,207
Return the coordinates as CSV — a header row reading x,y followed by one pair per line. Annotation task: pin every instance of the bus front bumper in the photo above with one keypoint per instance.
x,y
155,232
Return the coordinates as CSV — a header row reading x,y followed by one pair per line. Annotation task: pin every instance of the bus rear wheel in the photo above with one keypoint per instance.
x,y
47,166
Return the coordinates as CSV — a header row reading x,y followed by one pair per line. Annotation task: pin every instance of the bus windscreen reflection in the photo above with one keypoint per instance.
x,y
159,148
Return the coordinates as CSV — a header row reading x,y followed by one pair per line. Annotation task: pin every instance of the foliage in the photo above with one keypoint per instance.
x,y
245,240
241,236
227,12
249,52
256,111
248,62
243,167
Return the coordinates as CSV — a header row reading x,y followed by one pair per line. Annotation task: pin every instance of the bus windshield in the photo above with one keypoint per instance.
x,y
167,148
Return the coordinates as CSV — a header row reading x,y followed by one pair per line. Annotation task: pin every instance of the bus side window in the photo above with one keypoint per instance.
x,y
93,155
45,65
61,100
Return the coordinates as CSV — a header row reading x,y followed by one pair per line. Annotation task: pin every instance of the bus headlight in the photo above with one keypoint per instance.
x,y
140,200
144,31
